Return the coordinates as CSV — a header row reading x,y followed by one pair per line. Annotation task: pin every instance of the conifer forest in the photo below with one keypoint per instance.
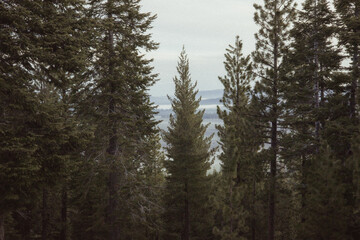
x,y
82,156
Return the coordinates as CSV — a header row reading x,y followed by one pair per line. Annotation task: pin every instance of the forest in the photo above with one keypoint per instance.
x,y
80,151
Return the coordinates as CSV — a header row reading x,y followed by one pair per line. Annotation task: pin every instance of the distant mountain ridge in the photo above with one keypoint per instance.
x,y
206,94
208,97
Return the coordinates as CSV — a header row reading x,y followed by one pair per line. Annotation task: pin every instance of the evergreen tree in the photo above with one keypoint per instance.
x,y
80,152
18,108
152,173
310,66
274,19
233,214
117,102
325,204
349,35
61,55
349,28
187,185
239,142
38,49
356,174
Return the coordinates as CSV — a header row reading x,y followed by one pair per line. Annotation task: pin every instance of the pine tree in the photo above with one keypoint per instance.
x,y
61,55
20,31
188,151
349,11
233,214
349,35
325,204
18,108
239,143
310,66
118,105
152,173
50,55
274,19
356,182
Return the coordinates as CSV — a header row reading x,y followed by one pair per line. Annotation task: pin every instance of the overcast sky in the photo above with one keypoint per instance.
x,y
206,28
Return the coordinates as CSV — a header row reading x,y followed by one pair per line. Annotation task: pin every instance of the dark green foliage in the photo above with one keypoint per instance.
x,y
233,214
240,142
349,31
42,41
116,100
310,66
356,182
18,110
187,193
80,153
324,216
347,124
274,19
45,128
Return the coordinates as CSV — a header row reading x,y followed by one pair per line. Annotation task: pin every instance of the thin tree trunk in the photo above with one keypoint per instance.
x,y
187,216
253,221
355,78
317,98
231,208
322,99
272,187
113,204
45,215
316,84
353,196
63,233
274,143
303,188
2,226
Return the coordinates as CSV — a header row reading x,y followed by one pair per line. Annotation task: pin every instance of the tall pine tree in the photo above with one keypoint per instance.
x,y
274,18
349,32
18,167
47,50
239,142
188,151
310,66
118,105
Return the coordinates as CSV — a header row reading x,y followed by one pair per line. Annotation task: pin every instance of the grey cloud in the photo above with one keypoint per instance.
x,y
206,28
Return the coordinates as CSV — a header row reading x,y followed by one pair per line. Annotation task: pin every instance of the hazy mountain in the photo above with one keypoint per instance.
x,y
211,94
162,100
209,102
208,97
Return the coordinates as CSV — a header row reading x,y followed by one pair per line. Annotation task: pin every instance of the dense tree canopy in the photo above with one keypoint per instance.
x,y
82,155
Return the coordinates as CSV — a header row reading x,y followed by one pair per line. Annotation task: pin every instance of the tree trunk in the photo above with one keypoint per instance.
x,y
113,140
45,215
322,99
63,233
274,127
317,98
231,208
2,226
316,84
355,225
113,204
186,230
303,187
355,71
186,235
253,220
272,187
